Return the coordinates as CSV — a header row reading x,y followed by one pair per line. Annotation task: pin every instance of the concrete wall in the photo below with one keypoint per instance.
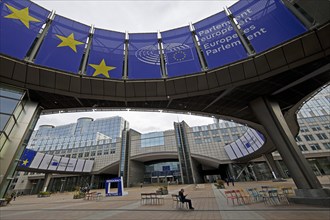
x,y
135,173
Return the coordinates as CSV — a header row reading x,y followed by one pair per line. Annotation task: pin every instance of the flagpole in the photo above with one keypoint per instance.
x,y
33,53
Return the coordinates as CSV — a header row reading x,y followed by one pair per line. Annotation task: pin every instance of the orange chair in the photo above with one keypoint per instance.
x,y
230,194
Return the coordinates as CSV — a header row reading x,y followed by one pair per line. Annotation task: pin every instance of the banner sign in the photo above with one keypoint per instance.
x,y
180,52
143,57
219,41
36,160
251,141
64,45
106,56
20,23
266,23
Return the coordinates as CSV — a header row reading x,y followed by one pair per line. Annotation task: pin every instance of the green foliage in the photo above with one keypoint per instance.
x,y
220,184
44,194
78,194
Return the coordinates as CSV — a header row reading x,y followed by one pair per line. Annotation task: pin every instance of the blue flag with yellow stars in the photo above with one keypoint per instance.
x,y
106,55
20,23
63,47
180,52
27,158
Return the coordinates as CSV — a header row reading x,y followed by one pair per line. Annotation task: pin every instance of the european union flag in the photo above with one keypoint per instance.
x,y
247,145
63,47
179,55
180,52
143,56
20,23
27,158
106,55
54,163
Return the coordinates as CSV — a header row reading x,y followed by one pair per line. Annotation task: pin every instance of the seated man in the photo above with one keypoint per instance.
x,y
183,199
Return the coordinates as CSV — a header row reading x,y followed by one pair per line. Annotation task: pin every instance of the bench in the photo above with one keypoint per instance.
x,y
3,202
199,186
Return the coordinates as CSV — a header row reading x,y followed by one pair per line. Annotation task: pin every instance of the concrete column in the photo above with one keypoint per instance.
x,y
16,142
48,177
231,170
280,169
270,116
92,181
272,166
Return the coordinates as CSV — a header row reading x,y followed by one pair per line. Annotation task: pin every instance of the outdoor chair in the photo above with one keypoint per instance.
x,y
178,202
255,195
230,195
239,196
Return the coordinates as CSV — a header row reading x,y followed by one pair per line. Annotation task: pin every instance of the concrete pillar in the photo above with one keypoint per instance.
x,y
14,144
280,169
270,116
231,170
272,165
48,177
92,182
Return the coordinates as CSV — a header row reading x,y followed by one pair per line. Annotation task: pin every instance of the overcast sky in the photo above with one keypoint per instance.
x,y
134,17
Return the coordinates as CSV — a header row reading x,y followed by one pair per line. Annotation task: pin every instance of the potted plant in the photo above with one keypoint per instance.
x,y
43,194
220,184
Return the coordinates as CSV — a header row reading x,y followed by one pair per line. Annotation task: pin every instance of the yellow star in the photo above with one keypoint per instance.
x,y
102,68
69,41
25,162
22,15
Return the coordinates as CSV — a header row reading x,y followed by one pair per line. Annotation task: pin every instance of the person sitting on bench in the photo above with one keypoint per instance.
x,y
183,199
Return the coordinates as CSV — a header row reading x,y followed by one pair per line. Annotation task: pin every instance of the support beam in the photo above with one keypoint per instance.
x,y
270,116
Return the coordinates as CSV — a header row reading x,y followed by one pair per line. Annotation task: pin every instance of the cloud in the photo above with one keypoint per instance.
x,y
140,121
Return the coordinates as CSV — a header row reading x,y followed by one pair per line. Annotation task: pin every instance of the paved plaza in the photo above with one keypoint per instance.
x,y
209,203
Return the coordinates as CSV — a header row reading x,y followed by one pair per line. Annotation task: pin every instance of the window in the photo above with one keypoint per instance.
x,y
217,139
99,152
298,138
309,137
322,136
86,154
327,145
315,147
316,128
93,153
304,129
112,151
302,147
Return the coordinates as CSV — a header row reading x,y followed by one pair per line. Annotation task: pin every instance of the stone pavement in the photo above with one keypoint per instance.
x,y
209,202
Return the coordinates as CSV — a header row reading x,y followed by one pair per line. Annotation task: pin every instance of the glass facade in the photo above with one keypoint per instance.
x,y
152,139
81,136
10,98
183,154
162,172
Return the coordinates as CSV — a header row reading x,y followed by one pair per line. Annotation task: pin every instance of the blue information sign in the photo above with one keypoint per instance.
x,y
219,41
266,23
